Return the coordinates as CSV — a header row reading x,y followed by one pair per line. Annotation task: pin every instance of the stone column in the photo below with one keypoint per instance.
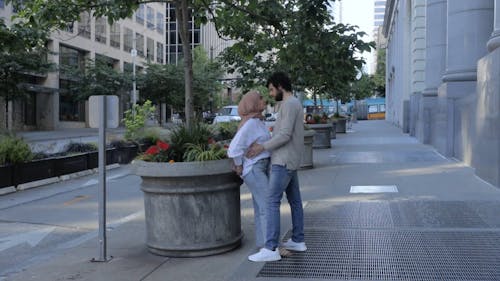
x,y
494,41
486,146
435,53
469,26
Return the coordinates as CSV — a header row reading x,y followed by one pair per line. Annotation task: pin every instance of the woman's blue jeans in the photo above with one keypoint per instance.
x,y
283,180
257,181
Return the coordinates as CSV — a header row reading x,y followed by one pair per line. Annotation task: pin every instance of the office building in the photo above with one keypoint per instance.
x,y
442,77
49,106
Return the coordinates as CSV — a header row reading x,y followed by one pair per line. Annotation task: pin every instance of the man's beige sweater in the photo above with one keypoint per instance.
x,y
287,144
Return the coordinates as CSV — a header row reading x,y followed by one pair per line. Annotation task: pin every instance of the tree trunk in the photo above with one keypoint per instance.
x,y
182,11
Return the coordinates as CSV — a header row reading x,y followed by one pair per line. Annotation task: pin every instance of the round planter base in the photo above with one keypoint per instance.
x,y
192,209
200,251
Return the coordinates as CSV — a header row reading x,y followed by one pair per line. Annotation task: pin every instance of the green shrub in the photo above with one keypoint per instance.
x,y
135,120
225,130
75,147
14,150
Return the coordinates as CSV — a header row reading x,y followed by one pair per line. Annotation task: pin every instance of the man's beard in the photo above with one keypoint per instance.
x,y
279,96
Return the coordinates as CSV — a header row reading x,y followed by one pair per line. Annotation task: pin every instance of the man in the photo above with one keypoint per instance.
x,y
286,147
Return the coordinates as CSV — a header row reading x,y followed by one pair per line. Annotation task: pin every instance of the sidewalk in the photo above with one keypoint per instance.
x,y
433,220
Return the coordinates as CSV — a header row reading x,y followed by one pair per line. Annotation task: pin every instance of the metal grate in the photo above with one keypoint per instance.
x,y
393,255
396,240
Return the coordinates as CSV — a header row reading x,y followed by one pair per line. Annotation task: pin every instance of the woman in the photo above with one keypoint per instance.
x,y
254,171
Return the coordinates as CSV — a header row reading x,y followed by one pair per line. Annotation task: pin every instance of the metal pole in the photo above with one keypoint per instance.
x,y
102,180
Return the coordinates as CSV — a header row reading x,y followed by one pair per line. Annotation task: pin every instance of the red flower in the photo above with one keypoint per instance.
x,y
162,145
153,150
226,146
211,141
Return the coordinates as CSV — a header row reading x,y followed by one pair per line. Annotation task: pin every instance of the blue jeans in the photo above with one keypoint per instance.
x,y
257,181
283,180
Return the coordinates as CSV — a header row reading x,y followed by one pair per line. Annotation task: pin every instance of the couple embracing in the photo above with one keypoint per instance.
x,y
269,166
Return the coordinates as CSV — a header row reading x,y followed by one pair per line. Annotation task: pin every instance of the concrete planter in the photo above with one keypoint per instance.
x,y
307,156
333,134
322,135
192,208
341,125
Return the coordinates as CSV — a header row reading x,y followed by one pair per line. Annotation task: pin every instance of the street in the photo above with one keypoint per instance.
x,y
39,223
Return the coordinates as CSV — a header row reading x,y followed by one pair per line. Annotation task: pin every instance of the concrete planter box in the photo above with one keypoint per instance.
x,y
7,172
341,125
34,170
191,208
322,135
307,156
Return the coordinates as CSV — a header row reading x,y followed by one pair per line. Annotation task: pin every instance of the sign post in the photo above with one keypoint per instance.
x,y
99,107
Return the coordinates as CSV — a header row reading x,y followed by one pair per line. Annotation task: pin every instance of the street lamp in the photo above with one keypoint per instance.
x,y
133,53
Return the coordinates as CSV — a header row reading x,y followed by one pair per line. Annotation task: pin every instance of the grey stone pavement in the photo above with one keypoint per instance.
x,y
438,222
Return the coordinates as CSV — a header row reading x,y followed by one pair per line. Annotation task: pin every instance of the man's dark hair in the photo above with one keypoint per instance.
x,y
280,79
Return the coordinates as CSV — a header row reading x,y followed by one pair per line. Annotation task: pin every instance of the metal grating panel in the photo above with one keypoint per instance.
x,y
393,255
435,214
396,240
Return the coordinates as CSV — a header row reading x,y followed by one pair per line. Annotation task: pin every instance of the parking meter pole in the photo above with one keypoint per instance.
x,y
102,180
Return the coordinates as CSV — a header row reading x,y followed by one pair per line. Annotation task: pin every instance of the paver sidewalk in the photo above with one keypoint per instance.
x,y
351,236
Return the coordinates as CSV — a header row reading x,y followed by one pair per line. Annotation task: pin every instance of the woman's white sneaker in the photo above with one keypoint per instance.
x,y
294,246
265,255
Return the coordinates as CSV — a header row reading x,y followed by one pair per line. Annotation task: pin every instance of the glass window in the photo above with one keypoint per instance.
x,y
159,22
70,107
382,108
2,4
372,108
159,52
84,25
150,18
380,3
150,49
379,10
172,37
100,30
171,13
128,39
139,44
379,17
114,38
139,15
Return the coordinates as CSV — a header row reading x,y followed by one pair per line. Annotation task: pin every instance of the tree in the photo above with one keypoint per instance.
x,y
303,40
162,84
97,78
206,77
22,53
379,76
363,87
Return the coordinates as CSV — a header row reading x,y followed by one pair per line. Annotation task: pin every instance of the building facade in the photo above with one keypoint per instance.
x,y
49,106
443,74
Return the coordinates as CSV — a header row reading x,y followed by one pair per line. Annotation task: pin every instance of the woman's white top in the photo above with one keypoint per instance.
x,y
254,130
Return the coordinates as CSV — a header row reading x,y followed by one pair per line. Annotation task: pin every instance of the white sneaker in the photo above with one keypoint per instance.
x,y
265,255
294,246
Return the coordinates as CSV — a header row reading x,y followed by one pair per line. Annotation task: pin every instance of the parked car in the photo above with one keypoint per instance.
x,y
227,114
271,116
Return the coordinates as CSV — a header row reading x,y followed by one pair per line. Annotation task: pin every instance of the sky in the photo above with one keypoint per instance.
x,y
360,13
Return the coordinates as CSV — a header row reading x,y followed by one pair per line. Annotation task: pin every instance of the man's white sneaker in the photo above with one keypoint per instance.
x,y
294,246
265,255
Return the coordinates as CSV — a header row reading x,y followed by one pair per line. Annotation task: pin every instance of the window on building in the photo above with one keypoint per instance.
x,y
150,18
100,30
139,44
150,49
2,4
379,10
128,39
70,107
380,3
379,17
171,12
159,52
139,15
114,36
160,23
84,25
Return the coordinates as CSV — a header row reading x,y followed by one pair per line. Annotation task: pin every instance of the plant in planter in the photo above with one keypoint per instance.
x,y
191,194
13,151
